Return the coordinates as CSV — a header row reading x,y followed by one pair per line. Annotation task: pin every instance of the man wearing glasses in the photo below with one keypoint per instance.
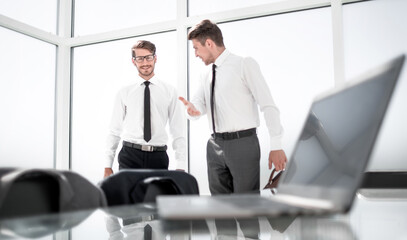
x,y
140,115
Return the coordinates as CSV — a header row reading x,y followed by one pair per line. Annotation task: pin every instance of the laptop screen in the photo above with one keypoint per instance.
x,y
340,130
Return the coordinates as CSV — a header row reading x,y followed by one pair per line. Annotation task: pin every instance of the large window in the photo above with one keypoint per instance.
x,y
40,14
294,48
295,55
27,101
96,16
213,6
374,32
100,71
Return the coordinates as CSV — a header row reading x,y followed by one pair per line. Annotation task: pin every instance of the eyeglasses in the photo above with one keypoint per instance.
x,y
140,59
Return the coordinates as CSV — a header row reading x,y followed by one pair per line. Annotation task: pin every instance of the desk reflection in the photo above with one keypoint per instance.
x,y
147,230
133,222
41,226
269,228
368,219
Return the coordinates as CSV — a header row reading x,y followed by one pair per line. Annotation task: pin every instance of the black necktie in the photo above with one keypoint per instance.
x,y
147,119
147,232
212,96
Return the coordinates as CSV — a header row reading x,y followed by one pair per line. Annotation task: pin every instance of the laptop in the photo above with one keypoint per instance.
x,y
328,162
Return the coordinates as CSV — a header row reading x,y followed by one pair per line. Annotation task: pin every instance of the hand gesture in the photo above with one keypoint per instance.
x,y
192,111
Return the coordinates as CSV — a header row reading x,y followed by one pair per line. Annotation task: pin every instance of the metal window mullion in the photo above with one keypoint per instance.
x,y
338,45
182,64
28,30
63,87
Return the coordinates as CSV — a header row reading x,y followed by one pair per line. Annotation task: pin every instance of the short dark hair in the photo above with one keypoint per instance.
x,y
204,30
144,45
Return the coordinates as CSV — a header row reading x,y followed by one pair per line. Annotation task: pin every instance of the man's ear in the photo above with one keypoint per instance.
x,y
209,43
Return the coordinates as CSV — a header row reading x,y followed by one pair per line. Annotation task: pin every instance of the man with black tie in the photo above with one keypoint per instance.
x,y
230,95
140,115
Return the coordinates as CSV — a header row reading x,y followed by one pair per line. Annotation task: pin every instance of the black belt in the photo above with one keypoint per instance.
x,y
145,148
235,135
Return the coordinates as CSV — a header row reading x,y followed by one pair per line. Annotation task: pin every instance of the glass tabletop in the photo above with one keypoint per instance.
x,y
369,218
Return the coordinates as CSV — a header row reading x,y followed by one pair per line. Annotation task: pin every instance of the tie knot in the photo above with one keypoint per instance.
x,y
147,83
213,67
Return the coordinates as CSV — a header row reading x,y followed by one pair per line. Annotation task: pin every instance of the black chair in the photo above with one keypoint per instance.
x,y
131,186
27,192
385,180
384,185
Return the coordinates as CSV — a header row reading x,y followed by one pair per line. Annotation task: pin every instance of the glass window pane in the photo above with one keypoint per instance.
x,y
96,16
27,96
40,14
294,51
212,6
374,32
100,71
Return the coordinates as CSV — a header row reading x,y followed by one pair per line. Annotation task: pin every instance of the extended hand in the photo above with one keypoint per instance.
x,y
277,158
192,111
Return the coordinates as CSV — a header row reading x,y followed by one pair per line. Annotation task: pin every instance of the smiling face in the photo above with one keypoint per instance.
x,y
203,51
144,67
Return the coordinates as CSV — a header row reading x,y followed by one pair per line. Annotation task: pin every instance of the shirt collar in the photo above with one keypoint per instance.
x,y
141,80
222,57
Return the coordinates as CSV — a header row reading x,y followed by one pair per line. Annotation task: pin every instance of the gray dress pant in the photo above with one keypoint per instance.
x,y
233,165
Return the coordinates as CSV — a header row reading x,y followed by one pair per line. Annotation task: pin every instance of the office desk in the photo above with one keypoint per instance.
x,y
368,219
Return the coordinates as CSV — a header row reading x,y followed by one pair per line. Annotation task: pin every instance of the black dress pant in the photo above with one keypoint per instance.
x,y
131,158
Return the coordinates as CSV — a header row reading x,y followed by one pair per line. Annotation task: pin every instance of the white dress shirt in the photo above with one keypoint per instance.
x,y
239,88
128,119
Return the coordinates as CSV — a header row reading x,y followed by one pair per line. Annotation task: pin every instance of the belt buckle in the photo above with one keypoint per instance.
x,y
147,148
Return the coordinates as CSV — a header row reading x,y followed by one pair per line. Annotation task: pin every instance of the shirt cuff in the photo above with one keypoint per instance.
x,y
181,164
276,143
108,162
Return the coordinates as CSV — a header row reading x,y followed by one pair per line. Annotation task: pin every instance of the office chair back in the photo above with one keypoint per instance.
x,y
133,186
31,196
159,186
27,192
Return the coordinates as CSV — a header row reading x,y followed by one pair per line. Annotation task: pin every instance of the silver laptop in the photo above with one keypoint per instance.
x,y
327,165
